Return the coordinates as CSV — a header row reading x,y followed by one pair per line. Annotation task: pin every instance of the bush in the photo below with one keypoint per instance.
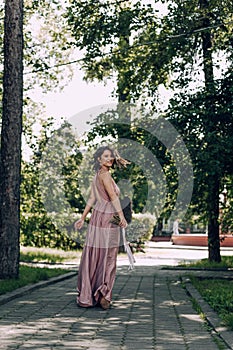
x,y
140,230
37,230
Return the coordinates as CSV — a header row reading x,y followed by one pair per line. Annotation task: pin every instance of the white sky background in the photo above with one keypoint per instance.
x,y
75,97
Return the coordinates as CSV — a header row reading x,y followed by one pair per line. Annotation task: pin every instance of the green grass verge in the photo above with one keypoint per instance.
x,y
217,292
219,295
47,255
41,257
226,262
29,275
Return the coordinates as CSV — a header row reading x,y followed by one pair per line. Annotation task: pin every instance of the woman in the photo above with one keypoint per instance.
x,y
97,268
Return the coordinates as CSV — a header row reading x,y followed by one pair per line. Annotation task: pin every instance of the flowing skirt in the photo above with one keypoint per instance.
x,y
97,268
96,275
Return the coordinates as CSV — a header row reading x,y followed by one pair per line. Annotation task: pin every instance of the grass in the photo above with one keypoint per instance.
x,y
217,292
29,275
47,255
226,263
217,340
219,295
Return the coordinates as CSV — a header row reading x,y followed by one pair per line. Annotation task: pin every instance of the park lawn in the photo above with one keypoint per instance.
x,y
29,275
48,255
226,263
219,295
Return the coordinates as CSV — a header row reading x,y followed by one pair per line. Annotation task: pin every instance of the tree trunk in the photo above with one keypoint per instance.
x,y
123,81
211,138
11,139
213,224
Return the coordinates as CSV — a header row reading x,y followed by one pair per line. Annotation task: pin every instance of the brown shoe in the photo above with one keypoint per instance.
x,y
105,304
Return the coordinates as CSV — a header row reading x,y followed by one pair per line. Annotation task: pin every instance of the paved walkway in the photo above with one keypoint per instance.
x,y
151,309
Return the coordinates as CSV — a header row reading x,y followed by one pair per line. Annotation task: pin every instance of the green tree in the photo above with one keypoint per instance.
x,y
126,40
50,189
47,53
199,29
113,37
47,57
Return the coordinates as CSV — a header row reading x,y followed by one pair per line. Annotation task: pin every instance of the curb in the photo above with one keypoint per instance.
x,y
211,269
211,316
5,298
169,245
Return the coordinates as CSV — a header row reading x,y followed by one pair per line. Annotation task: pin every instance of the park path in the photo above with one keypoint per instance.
x,y
151,309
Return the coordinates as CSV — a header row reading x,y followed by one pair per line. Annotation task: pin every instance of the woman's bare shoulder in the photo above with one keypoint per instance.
x,y
105,176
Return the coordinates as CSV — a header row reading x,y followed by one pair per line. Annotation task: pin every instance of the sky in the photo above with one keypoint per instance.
x,y
77,96
80,102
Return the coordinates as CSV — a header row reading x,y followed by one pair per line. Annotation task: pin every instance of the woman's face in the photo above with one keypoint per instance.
x,y
106,159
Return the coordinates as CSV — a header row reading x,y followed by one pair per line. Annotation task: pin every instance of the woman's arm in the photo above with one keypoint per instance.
x,y
79,223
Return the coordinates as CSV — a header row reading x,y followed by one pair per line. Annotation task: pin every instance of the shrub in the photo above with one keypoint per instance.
x,y
140,230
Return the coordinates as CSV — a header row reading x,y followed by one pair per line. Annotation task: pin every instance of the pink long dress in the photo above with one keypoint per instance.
x,y
97,269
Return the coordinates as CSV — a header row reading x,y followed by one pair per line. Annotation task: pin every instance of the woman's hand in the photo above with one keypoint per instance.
x,y
123,223
78,224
